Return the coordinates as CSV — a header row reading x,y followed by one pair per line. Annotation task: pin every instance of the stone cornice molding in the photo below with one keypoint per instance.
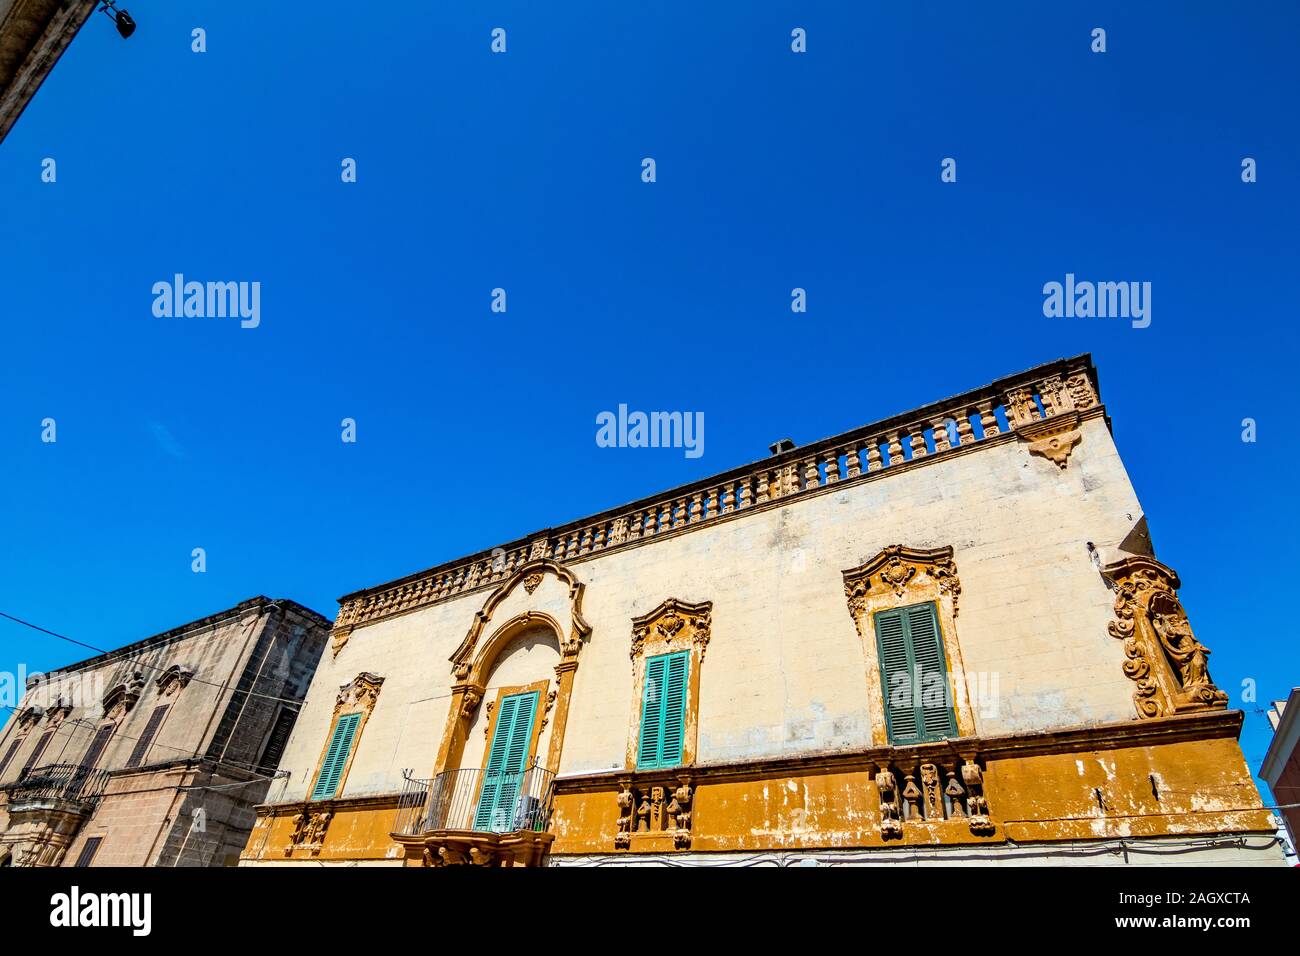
x,y
1065,389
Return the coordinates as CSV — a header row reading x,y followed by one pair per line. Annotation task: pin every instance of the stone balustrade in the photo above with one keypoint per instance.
x,y
1060,388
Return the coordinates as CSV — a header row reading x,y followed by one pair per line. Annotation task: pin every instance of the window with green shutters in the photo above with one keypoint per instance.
x,y
336,757
663,711
505,765
914,673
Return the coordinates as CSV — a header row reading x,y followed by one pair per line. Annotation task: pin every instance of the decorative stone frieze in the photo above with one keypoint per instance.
x,y
924,799
360,693
653,811
1163,657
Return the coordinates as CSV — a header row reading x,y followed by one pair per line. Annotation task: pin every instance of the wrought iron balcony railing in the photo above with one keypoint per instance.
x,y
59,782
475,800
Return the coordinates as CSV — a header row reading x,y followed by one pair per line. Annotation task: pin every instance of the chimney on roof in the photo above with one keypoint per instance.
x,y
783,445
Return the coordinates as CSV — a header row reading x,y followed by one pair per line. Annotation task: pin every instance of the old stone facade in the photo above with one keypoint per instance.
x,y
33,35
943,636
155,754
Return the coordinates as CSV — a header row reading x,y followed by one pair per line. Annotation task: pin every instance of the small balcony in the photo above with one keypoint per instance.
x,y
470,816
63,787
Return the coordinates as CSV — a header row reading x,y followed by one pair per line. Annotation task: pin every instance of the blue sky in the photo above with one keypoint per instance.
x,y
522,171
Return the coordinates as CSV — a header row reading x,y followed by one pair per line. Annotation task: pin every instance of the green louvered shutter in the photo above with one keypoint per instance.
x,y
505,766
911,661
336,757
934,709
652,720
663,711
896,676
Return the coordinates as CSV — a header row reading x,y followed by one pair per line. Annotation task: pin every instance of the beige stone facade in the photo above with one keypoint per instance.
x,y
1006,509
154,754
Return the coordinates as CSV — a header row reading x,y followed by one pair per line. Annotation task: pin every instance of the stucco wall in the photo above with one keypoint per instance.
x,y
784,668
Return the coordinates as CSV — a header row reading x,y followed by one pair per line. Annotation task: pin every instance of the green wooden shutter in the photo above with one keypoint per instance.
x,y
505,764
336,757
652,713
911,656
934,708
663,710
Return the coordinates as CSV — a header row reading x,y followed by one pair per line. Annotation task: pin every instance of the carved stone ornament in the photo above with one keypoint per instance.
x,y
309,828
173,680
1163,657
1054,438
529,576
29,717
359,693
673,625
894,570
339,635
122,696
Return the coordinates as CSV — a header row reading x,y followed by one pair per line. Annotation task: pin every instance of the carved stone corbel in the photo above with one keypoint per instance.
x,y
980,823
891,825
1053,438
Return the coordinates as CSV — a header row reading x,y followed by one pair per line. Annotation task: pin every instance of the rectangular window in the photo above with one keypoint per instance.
x,y
278,738
35,755
9,754
88,851
505,765
150,731
663,711
336,757
97,746
914,671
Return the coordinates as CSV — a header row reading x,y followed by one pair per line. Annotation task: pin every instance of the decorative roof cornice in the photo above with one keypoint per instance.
x,y
940,430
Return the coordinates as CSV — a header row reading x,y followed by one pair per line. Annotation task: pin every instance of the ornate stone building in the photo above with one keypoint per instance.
x,y
942,636
156,753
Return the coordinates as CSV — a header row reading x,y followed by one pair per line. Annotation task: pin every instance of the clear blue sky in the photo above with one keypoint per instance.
x,y
522,171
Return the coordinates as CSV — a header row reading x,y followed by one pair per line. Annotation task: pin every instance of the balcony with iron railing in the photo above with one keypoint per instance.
x,y
70,788
472,816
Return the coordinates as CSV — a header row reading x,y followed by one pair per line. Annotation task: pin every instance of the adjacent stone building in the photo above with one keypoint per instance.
x,y
943,636
155,754
33,35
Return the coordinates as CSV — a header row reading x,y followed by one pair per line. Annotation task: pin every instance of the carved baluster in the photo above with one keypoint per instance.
x,y
912,795
635,526
728,498
895,449
917,437
955,795
696,512
940,426
571,547
873,456
679,513
584,547
933,793
852,463
811,475
762,485
965,434
746,493
988,420
598,541
832,466
711,504
680,811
